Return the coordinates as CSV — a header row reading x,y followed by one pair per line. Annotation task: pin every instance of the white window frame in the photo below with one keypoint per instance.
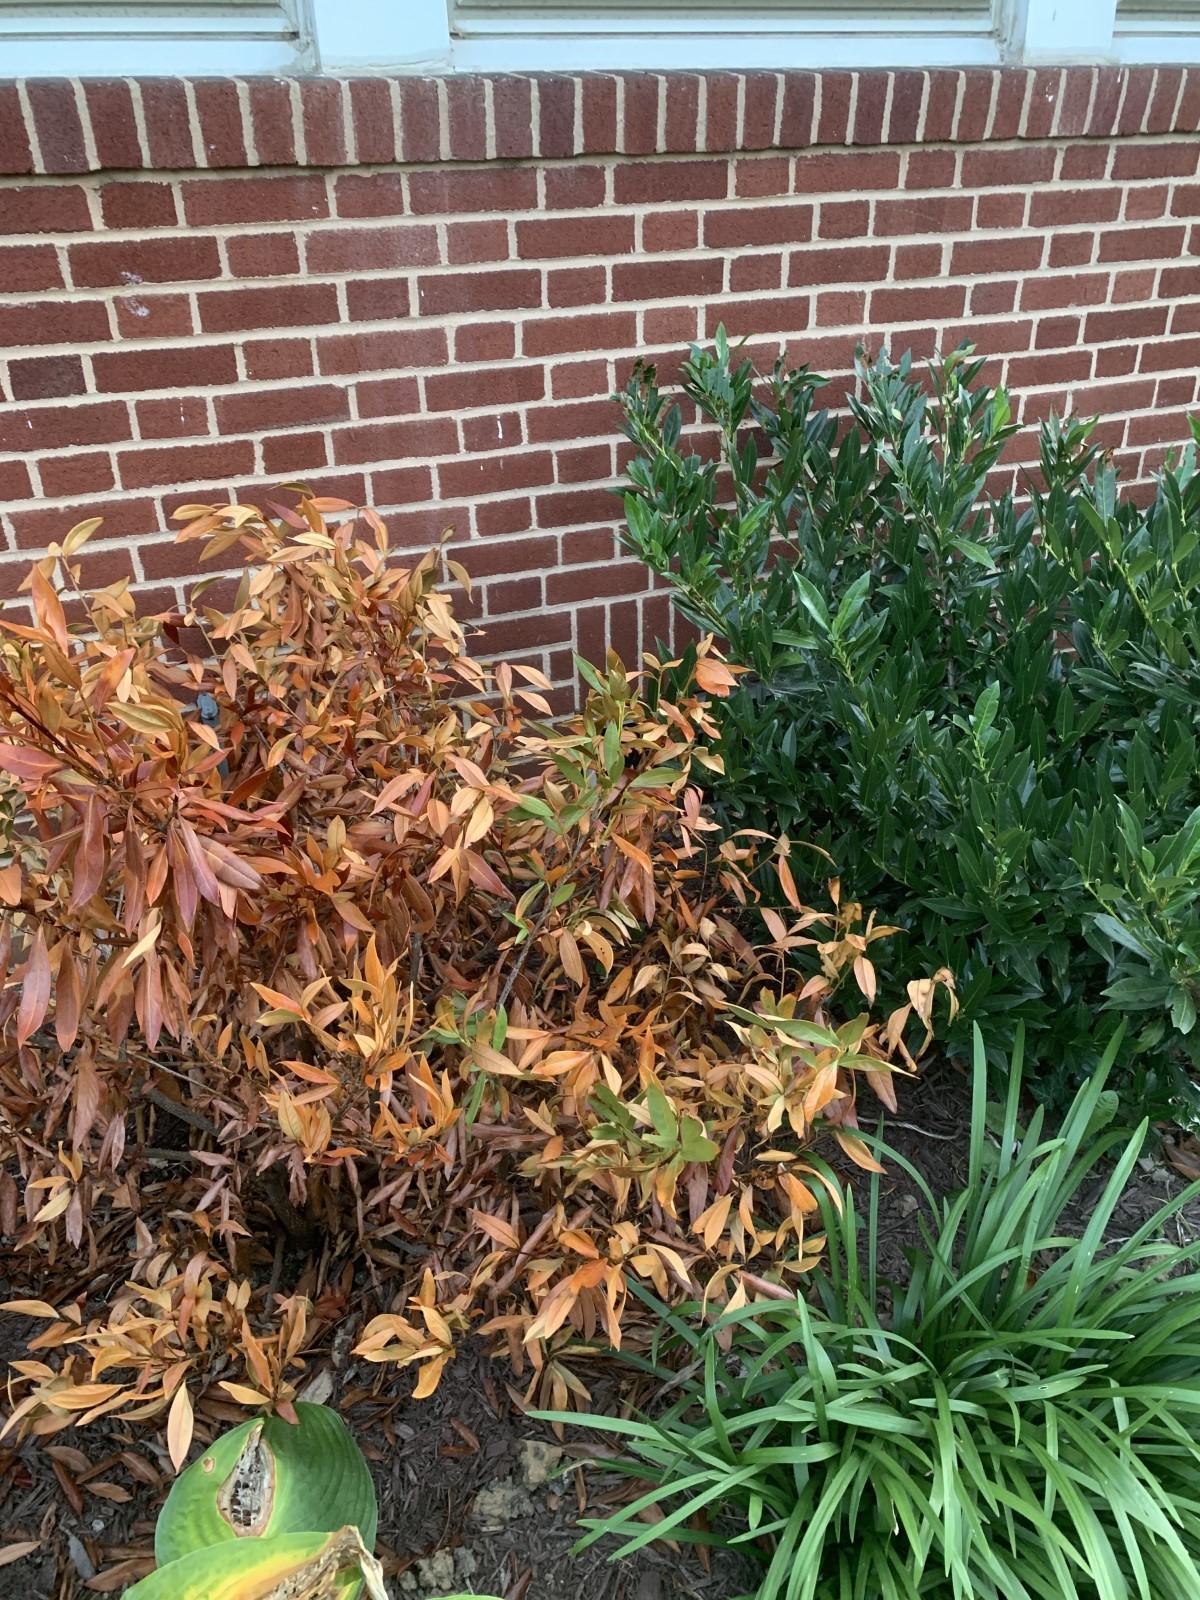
x,y
1031,32
239,37
193,37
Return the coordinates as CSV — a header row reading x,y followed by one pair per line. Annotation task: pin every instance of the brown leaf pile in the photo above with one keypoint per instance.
x,y
333,979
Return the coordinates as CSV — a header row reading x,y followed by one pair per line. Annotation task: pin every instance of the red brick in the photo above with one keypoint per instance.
x,y
497,517
299,453
1045,99
457,190
1071,249
378,299
497,430
15,153
577,419
1028,164
45,208
599,113
844,219
1142,244
323,120
575,286
924,214
15,483
833,125
1136,103
353,353
420,119
933,300
168,122
457,292
179,368
1005,209
841,308
638,133
541,238
388,397
1177,282
288,197
989,299
976,105
682,90
1085,162
688,276
866,263
1076,289
28,267
219,109
46,377
572,380
399,486
467,118
57,122
917,261
586,583
721,112
744,226
1162,159
675,325
114,262
182,418
114,128
786,314
138,205
518,594
485,341
654,181
512,117
253,411
153,316
670,230
262,255
382,441
1063,366
372,120
497,386
1144,322
940,104
846,172
76,472
763,269
1058,208
472,243
1186,200
976,257
930,169
1136,284
271,121
1168,392
1057,333
371,249
1146,203
62,322
560,335
279,306
1116,359
141,469
573,188
460,479
760,109
556,115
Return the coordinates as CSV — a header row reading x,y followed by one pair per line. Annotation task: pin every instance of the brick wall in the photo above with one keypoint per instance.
x,y
420,293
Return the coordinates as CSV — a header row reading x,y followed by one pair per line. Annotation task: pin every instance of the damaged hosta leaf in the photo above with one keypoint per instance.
x,y
290,1566
266,1478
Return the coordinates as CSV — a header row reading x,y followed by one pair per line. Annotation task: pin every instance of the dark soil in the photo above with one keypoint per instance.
x,y
474,1496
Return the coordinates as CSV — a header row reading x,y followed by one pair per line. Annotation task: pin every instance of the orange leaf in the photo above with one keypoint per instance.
x,y
180,1423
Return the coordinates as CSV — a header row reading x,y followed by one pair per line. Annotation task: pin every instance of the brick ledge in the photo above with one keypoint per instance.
x,y
60,126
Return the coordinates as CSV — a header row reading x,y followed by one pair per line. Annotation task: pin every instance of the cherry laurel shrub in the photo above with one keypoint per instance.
x,y
336,978
984,707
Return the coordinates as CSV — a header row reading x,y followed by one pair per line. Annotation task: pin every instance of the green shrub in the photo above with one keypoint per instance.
x,y
986,713
1017,1422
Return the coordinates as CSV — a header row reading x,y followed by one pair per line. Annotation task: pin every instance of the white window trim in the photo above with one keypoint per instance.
x,y
200,37
419,35
193,38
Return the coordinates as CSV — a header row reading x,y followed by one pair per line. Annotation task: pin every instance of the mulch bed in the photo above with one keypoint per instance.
x,y
473,1495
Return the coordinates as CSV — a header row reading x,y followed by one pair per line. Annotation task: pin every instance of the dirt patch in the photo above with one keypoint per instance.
x,y
474,1496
